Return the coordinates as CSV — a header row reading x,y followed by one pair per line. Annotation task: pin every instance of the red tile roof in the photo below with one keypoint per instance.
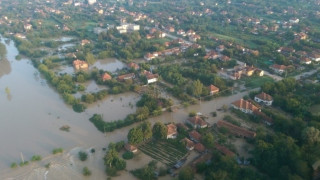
x,y
130,147
236,130
197,120
199,147
213,88
280,67
264,96
224,150
133,65
172,129
243,104
106,77
195,135
188,142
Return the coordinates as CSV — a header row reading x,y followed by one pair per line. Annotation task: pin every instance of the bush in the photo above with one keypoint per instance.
x,y
111,171
57,150
47,165
83,155
13,165
127,155
86,171
24,163
36,158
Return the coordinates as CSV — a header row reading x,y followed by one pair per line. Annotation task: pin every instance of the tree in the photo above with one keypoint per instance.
x,y
186,174
90,58
83,155
146,130
159,131
110,157
196,88
208,140
3,51
86,171
135,135
311,135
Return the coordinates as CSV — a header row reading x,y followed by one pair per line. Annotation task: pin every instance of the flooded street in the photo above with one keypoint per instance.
x,y
31,114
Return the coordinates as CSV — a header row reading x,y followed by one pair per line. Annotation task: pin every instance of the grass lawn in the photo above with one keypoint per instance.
x,y
164,152
315,109
256,81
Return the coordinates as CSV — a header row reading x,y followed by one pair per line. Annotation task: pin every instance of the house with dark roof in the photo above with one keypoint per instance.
x,y
264,98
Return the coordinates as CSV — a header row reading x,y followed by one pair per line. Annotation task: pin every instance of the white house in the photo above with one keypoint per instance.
x,y
264,98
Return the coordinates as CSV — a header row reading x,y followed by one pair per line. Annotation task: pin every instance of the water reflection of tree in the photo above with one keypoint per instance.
x,y
5,67
9,97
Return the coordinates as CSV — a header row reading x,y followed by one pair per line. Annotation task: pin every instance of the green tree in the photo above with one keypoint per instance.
x,y
82,155
110,157
86,171
135,136
90,58
186,174
311,135
159,131
146,130
196,88
208,140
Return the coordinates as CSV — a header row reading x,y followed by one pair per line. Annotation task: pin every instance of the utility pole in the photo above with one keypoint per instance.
x,y
22,159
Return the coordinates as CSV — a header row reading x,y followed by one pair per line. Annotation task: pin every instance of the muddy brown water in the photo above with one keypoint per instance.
x,y
31,116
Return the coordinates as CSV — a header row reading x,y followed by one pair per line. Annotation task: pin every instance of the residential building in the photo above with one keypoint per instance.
x,y
79,64
126,77
213,89
133,66
315,57
199,148
279,69
244,106
188,143
220,48
224,150
172,131
236,130
197,122
106,77
130,148
264,98
195,136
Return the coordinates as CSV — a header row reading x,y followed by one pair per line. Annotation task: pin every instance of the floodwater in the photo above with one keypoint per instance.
x,y
31,114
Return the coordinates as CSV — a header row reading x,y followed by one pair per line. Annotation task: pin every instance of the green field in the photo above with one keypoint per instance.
x,y
164,152
256,81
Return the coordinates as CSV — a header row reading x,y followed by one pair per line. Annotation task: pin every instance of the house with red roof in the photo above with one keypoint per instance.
x,y
278,68
126,77
188,143
106,77
133,66
199,147
197,122
195,136
79,64
236,130
245,106
213,89
130,148
264,98
172,131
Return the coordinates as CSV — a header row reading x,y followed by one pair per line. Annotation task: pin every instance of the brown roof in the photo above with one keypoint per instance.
x,y
264,96
236,130
130,147
213,88
263,116
197,120
106,77
126,76
199,147
180,125
189,143
243,104
172,129
224,150
280,67
133,65
195,135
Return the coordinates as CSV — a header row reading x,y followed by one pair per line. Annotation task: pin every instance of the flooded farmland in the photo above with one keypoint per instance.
x,y
31,114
